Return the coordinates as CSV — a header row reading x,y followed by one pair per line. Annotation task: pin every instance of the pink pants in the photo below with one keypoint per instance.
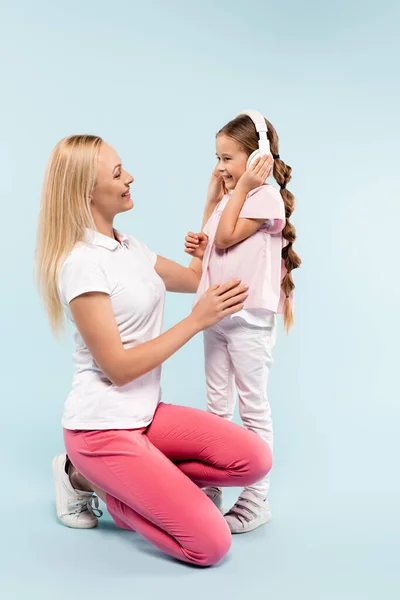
x,y
152,477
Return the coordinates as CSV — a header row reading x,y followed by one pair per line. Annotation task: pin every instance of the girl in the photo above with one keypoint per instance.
x,y
246,234
123,444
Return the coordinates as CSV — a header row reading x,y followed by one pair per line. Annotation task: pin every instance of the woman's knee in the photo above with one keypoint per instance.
x,y
213,546
259,457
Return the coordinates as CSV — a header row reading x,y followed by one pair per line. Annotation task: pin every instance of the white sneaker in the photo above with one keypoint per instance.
x,y
248,513
74,507
215,495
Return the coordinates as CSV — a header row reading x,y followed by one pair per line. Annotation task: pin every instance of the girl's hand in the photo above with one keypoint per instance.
x,y
216,188
196,244
257,173
218,302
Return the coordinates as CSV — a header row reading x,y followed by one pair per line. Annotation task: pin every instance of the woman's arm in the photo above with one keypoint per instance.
x,y
232,230
94,318
178,278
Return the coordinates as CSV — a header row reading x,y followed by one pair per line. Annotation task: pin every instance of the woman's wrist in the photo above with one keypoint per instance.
x,y
193,325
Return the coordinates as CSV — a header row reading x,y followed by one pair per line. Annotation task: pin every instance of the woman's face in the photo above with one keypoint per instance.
x,y
111,194
232,160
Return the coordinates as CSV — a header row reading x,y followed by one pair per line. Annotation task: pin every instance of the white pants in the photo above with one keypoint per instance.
x,y
237,352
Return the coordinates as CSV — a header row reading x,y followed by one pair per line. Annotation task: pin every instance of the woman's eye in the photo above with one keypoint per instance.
x,y
118,175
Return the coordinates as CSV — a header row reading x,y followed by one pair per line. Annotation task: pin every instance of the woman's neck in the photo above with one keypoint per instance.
x,y
104,226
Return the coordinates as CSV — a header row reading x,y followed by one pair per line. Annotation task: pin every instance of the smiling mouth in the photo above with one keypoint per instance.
x,y
127,193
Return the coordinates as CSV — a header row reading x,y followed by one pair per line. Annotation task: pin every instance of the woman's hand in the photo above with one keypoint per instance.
x,y
216,188
218,302
257,173
196,244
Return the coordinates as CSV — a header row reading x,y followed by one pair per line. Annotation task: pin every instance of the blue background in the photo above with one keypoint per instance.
x,y
157,80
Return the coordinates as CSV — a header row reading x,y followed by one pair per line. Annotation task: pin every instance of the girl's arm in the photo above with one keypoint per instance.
x,y
215,193
178,278
232,230
95,320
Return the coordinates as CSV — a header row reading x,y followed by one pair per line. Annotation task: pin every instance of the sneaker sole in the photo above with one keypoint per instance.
x,y
55,464
251,527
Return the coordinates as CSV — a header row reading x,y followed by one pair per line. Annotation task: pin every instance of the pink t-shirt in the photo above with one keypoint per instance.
x,y
257,260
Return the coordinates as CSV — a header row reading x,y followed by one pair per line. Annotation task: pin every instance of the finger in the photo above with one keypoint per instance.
x,y
255,164
189,251
216,173
269,165
261,163
213,287
192,241
235,291
238,299
266,170
231,310
192,246
192,235
233,283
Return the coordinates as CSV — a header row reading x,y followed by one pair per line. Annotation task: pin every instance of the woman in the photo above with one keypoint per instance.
x,y
145,459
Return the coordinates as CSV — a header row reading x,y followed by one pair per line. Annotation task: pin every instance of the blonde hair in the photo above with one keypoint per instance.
x,y
242,130
64,214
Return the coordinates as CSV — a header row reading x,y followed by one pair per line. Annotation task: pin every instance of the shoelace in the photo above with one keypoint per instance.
x,y
85,503
243,510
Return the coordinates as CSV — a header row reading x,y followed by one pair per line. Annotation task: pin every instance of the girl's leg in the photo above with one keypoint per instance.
x,y
250,349
221,393
135,479
220,384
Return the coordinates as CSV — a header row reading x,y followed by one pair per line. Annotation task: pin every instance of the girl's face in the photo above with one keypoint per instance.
x,y
232,161
111,193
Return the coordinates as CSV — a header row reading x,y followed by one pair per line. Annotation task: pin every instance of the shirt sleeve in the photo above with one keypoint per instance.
x,y
79,276
265,202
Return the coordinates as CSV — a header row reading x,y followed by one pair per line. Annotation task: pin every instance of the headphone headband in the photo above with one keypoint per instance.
x,y
261,128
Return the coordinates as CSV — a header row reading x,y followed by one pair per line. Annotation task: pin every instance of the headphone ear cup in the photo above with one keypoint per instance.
x,y
252,158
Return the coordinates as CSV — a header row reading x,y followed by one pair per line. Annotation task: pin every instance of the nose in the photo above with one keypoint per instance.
x,y
129,178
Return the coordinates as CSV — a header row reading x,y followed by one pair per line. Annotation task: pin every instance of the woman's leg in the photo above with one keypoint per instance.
x,y
209,450
146,492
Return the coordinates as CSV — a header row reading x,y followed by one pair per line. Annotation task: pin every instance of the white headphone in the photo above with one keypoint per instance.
x,y
261,128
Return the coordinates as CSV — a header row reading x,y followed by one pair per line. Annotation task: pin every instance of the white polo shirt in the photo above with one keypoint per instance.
x,y
126,272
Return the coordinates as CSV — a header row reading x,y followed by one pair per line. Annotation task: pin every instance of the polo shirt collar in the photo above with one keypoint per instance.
x,y
92,236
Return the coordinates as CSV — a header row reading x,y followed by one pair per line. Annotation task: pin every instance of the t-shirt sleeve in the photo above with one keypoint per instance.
x,y
80,276
266,203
